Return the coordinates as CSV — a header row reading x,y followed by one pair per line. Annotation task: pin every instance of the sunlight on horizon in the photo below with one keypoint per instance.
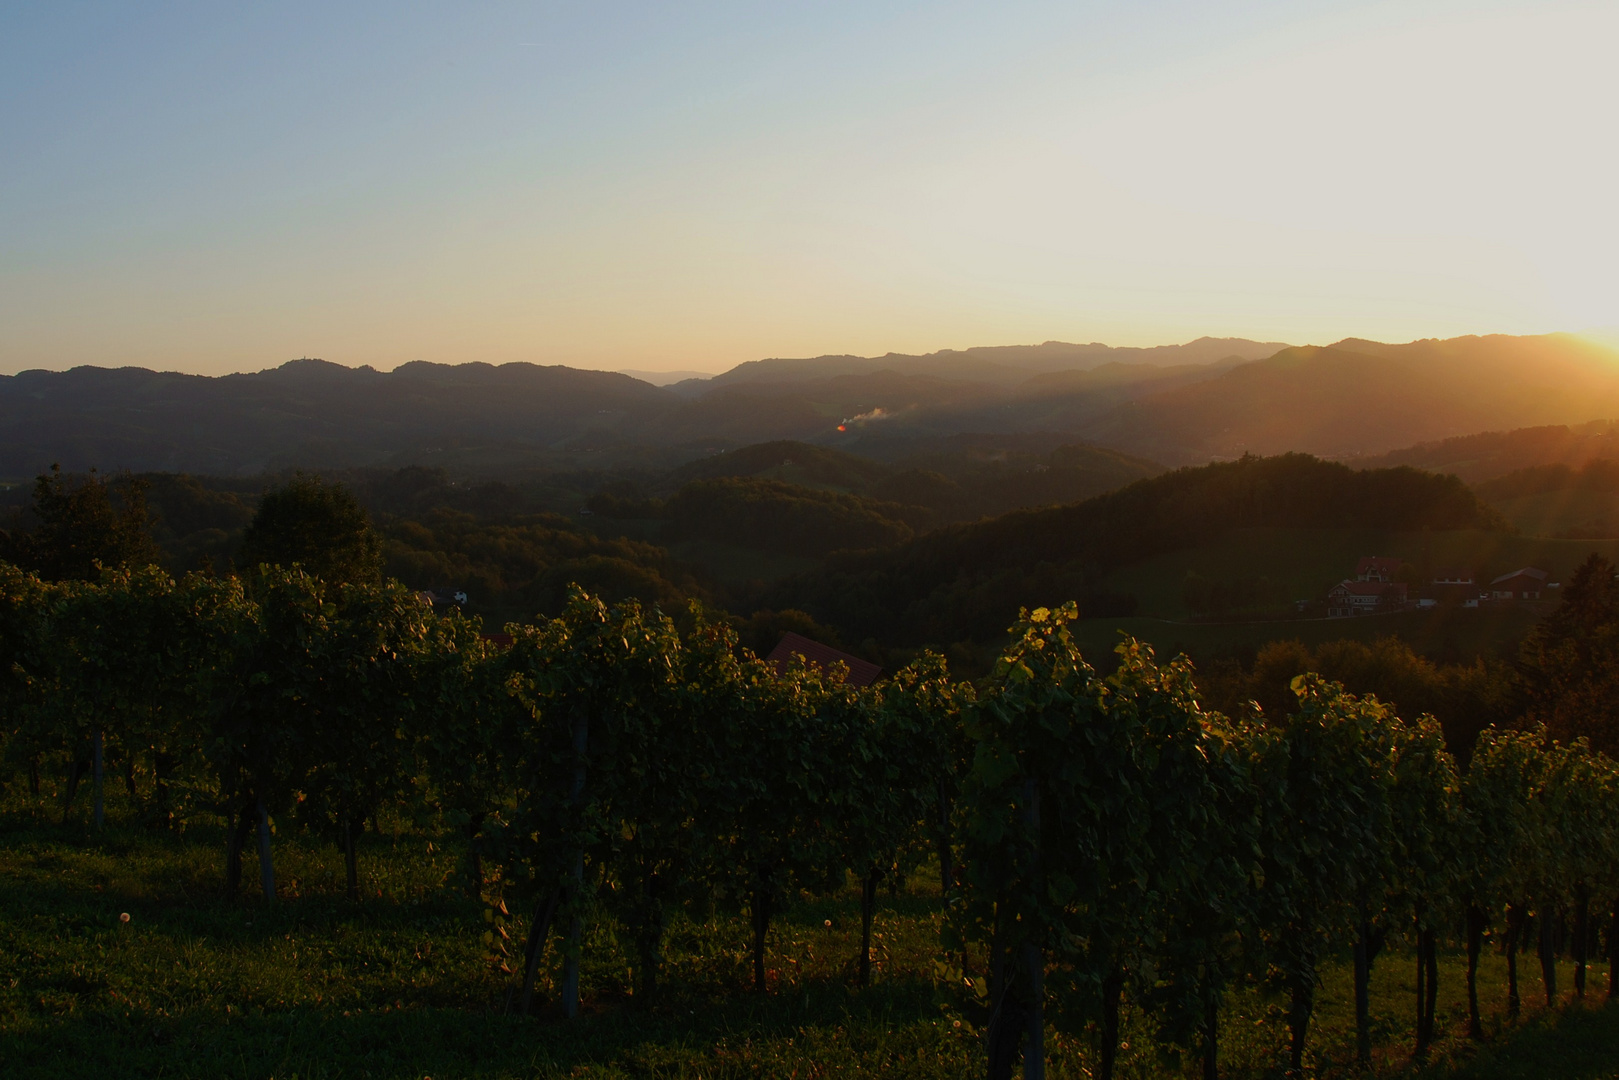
x,y
660,192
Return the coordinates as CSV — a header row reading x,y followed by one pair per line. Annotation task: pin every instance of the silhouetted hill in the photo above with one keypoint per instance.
x,y
1183,404
813,408
1003,365
768,515
1361,398
957,479
1490,454
967,581
793,462
306,412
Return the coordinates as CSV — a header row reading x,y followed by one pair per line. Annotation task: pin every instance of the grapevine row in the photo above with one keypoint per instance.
x,y
1100,839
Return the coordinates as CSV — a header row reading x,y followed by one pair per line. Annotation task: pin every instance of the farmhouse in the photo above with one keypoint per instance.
x,y
1377,568
1450,575
1364,598
1526,584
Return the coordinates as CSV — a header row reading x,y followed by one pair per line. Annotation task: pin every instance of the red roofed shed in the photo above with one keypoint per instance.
x,y
1525,584
861,672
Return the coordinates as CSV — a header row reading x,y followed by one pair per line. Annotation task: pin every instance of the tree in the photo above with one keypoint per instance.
x,y
575,686
1426,814
923,704
263,720
318,526
1578,797
1570,663
781,789
84,523
1198,952
456,734
1325,773
661,832
366,667
24,680
891,779
1501,864
1085,800
131,655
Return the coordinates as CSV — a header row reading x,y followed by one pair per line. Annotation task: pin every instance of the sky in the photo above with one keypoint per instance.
x,y
224,187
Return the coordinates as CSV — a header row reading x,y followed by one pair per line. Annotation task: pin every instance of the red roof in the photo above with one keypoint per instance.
x,y
1533,574
861,672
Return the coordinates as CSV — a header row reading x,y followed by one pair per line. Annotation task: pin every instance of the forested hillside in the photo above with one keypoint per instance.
x,y
1490,454
965,581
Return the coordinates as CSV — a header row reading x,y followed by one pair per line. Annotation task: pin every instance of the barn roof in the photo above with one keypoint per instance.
x,y
861,672
1528,572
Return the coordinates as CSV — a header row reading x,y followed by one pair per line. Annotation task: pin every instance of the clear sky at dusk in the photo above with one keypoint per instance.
x,y
223,187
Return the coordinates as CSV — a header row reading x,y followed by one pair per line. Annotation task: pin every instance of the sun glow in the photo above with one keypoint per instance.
x,y
661,192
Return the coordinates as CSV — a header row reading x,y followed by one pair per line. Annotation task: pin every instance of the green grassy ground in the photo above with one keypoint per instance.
x,y
402,985
1553,512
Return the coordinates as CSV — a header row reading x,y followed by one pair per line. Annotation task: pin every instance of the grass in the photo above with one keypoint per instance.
x,y
403,986
1553,512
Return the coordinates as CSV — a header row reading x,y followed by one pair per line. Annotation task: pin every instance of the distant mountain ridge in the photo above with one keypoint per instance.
x,y
999,365
305,412
1177,405
1358,398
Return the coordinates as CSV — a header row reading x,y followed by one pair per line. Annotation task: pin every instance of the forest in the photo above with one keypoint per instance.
x,y
1100,867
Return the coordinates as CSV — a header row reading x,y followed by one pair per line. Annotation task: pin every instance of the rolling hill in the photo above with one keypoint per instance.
x,y
967,581
1359,398
1209,399
303,413
1489,454
1005,366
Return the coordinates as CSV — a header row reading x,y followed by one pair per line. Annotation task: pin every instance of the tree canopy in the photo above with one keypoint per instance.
x,y
83,523
319,526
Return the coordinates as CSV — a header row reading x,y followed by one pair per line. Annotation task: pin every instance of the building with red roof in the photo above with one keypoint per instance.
x,y
1377,568
1525,584
861,672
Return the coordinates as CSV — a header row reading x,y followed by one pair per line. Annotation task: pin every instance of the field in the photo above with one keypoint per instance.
x,y
402,985
1551,513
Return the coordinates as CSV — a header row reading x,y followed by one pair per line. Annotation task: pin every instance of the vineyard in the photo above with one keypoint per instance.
x,y
646,823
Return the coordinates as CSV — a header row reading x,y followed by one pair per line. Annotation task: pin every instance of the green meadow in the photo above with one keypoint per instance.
x,y
403,985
